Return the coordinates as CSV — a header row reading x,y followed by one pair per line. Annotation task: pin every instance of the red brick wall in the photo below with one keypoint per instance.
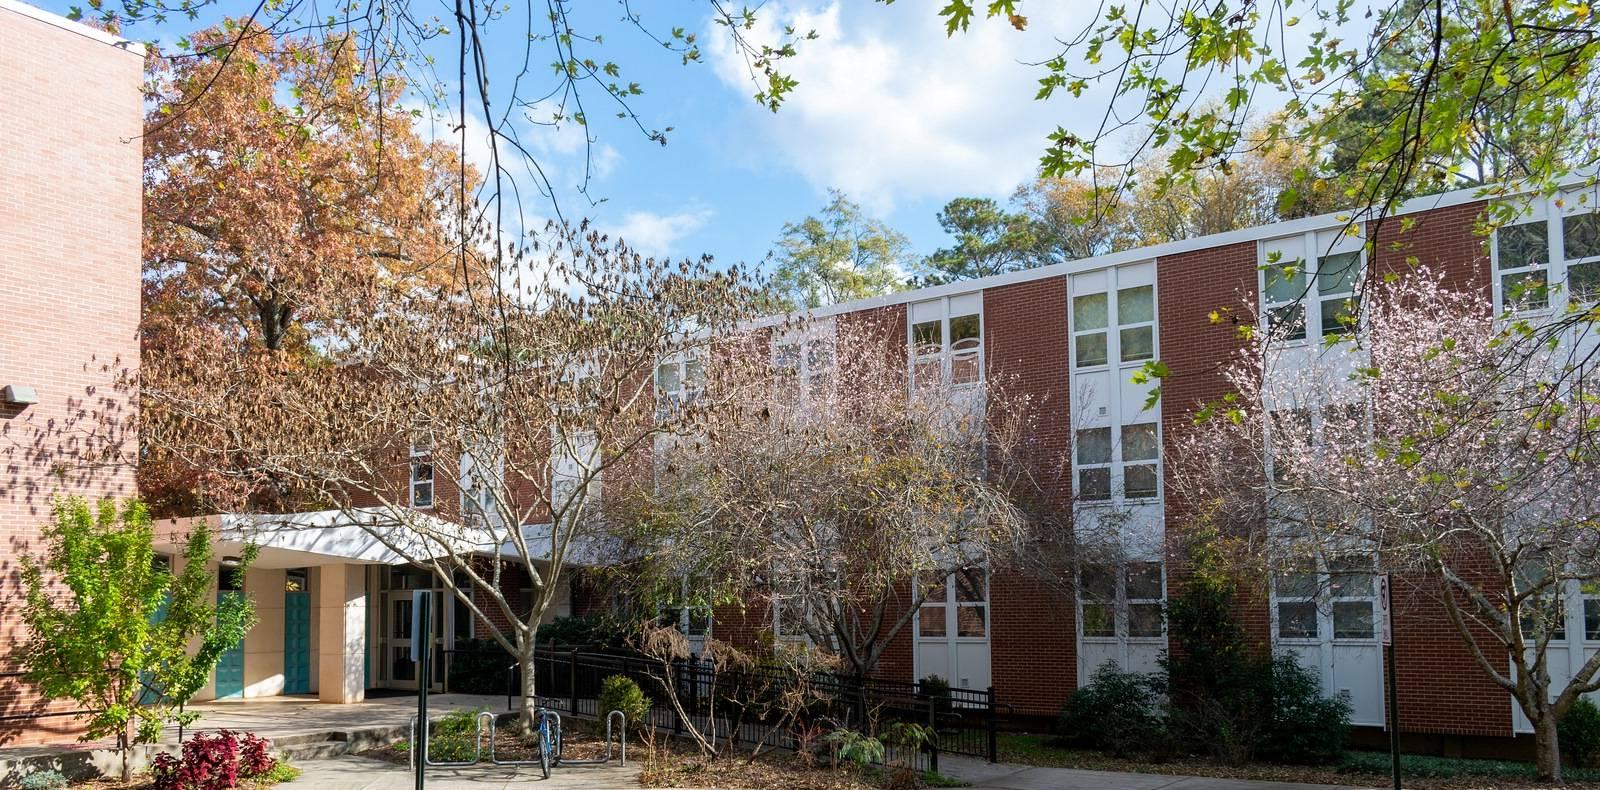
x,y
1033,627
71,166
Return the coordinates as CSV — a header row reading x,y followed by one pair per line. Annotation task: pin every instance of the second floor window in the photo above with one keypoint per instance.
x,y
946,337
1326,279
1131,454
678,383
804,365
421,475
1121,600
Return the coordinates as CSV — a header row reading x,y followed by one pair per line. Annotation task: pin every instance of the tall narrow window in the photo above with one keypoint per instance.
x,y
1094,463
804,365
1296,592
1121,600
1522,258
421,475
1336,288
1285,288
1136,317
678,384
1140,448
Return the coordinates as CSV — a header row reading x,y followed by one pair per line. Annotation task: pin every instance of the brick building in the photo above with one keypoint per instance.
x,y
70,119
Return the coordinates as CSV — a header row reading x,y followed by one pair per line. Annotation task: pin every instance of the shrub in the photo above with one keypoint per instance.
x,y
590,630
1579,732
855,747
1118,711
44,780
478,666
938,689
454,736
620,692
1306,726
214,762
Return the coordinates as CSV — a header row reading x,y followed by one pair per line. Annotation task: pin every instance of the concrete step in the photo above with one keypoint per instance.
x,y
312,750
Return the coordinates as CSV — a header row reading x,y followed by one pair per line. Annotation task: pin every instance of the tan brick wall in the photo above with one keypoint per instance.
x,y
70,170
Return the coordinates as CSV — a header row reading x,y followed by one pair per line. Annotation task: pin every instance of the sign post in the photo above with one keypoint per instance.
x,y
421,650
1386,623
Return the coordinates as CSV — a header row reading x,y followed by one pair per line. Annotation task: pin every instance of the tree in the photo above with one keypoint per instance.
x,y
1074,218
279,182
841,500
526,391
988,240
1452,448
838,256
112,630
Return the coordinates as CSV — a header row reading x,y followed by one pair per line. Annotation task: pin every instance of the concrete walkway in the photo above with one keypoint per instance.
x,y
1010,776
361,773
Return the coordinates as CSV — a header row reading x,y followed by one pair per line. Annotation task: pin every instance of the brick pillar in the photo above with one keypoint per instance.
x,y
341,632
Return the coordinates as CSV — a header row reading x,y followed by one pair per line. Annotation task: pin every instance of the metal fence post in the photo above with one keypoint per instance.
x,y
572,680
994,740
933,735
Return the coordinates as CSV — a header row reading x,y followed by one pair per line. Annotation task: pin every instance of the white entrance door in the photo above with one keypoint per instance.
x,y
952,631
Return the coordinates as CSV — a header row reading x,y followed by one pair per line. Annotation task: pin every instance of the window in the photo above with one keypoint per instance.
x,y
1135,455
1089,316
230,576
955,604
1580,242
575,462
1136,317
1332,598
1121,600
678,384
421,475
1522,259
296,580
1319,270
478,487
804,365
946,337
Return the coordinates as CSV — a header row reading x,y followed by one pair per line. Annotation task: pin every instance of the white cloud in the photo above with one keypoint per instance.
x,y
889,108
657,234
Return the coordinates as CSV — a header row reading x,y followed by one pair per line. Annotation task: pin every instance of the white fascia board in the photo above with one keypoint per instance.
x,y
56,20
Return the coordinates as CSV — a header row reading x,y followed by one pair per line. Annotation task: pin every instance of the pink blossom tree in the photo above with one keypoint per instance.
x,y
1449,446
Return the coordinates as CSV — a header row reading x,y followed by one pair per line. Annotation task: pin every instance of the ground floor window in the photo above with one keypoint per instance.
x,y
955,604
1121,600
1326,598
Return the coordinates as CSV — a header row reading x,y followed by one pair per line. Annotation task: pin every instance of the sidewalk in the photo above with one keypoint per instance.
x,y
1010,776
361,773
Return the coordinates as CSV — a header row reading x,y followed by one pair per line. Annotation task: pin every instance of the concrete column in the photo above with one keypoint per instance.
x,y
342,633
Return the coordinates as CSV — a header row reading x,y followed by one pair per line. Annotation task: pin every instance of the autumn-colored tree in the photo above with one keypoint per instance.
x,y
283,180
839,255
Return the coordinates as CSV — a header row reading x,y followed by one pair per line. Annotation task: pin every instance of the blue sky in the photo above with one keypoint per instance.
x,y
888,109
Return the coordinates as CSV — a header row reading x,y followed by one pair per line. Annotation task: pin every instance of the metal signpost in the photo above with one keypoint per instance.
x,y
421,649
1386,623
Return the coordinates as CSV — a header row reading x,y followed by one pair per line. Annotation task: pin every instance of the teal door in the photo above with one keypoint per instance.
x,y
297,643
230,668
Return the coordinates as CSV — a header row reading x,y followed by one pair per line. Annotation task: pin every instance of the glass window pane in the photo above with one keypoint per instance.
x,y
1297,620
1097,583
1139,442
1591,619
1352,620
1136,305
1526,291
1522,245
1091,349
1297,584
1580,235
964,331
1098,620
1144,619
927,337
694,375
963,368
1139,481
1336,274
1094,445
1143,580
1138,343
931,621
1089,312
1583,281
667,377
1094,484
970,586
1287,322
972,621
1338,316
926,373
1286,282
785,357
819,356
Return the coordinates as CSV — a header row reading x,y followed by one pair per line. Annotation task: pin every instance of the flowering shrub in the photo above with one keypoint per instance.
x,y
214,762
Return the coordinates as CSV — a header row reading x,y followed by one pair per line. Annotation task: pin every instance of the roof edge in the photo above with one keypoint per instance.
x,y
56,20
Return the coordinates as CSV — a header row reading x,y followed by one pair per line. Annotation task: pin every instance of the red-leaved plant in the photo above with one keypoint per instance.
x,y
213,762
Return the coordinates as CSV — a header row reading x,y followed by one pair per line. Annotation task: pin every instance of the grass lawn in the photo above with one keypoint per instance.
x,y
1366,769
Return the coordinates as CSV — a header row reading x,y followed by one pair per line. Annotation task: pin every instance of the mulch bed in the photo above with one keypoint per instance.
x,y
577,744
679,764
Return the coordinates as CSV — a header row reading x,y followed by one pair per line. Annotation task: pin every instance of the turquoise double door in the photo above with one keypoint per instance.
x,y
230,667
297,643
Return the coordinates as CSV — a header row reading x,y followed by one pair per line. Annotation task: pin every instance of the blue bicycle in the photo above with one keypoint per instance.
x,y
548,742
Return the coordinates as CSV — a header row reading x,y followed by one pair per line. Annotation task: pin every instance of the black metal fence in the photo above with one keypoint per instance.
x,y
767,704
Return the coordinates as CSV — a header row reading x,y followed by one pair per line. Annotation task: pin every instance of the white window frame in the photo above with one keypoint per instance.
x,y
567,471
476,500
690,385
950,608
1326,597
1116,367
1121,604
418,456
943,310
1316,249
809,357
1552,213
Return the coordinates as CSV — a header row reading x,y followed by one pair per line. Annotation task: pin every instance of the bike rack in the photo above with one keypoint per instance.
x,y
622,741
555,738
477,750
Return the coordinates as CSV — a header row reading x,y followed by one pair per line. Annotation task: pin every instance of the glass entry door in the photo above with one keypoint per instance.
x,y
399,665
